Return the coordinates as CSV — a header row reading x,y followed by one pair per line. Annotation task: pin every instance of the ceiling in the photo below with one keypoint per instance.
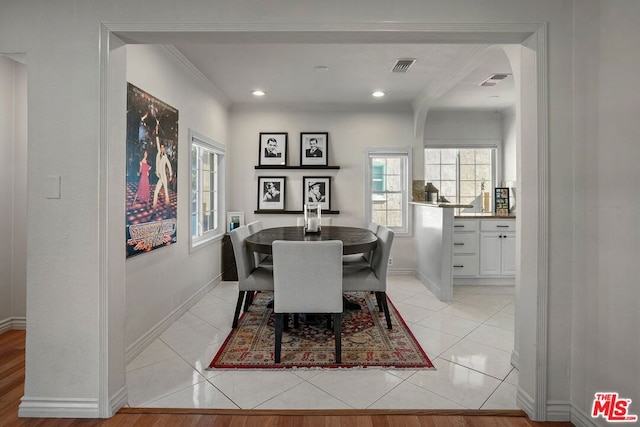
x,y
446,75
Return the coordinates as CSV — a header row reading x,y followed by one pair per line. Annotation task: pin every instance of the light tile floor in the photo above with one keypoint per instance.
x,y
469,341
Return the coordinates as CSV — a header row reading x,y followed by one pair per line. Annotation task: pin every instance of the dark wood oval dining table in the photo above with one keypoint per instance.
x,y
354,240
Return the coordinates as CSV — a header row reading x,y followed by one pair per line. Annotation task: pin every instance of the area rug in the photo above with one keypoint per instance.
x,y
366,341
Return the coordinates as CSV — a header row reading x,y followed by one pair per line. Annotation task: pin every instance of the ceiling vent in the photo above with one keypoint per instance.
x,y
494,79
403,65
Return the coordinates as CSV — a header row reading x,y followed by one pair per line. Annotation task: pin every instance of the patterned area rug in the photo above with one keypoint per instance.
x,y
366,341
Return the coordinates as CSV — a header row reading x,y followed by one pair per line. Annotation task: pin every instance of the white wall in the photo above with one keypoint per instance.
x,y
61,40
509,145
350,133
159,282
606,320
463,125
13,175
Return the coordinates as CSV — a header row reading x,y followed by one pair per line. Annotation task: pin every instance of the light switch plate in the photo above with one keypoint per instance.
x,y
52,186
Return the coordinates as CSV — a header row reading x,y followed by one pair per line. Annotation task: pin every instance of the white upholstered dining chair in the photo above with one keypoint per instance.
x,y
358,277
307,279
251,278
262,260
361,259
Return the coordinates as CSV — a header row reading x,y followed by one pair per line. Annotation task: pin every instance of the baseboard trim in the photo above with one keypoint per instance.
x,y
119,399
580,418
559,410
515,359
435,289
525,402
145,340
13,323
45,407
493,281
401,271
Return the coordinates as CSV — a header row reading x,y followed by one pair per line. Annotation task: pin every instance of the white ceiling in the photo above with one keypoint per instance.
x,y
286,71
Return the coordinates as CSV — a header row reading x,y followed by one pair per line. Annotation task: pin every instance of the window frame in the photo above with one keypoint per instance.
x,y
496,145
201,141
406,153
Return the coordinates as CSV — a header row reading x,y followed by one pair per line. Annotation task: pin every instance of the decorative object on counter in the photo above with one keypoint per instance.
x,y
312,218
272,148
501,201
271,192
512,195
234,220
486,200
314,148
417,190
431,193
317,189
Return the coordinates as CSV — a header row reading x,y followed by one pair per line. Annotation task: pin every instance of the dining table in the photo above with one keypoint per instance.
x,y
354,240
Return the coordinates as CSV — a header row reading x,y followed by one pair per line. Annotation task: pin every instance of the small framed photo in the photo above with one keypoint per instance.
x,y
317,189
314,148
272,149
271,192
234,220
501,200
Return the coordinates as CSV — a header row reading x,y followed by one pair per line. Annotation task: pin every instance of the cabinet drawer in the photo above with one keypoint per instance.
x,y
497,225
465,225
465,243
465,265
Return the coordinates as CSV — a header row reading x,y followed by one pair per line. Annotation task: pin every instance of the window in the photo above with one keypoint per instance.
x,y
463,175
207,189
387,183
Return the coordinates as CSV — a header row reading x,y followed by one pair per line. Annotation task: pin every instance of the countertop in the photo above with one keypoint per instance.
x,y
440,205
488,215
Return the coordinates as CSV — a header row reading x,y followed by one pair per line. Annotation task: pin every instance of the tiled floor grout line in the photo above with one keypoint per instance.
x,y
406,290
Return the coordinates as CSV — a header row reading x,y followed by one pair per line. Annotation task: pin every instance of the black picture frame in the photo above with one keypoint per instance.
x,y
317,189
269,157
314,148
501,200
272,193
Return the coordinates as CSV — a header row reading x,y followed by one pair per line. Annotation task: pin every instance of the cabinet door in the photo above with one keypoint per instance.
x,y
508,254
490,244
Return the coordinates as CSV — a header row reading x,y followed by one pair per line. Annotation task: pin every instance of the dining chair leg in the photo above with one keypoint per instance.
x,y
379,301
248,300
278,348
337,330
387,315
238,307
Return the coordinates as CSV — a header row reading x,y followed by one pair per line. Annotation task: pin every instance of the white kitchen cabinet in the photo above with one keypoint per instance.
x,y
484,248
497,248
465,248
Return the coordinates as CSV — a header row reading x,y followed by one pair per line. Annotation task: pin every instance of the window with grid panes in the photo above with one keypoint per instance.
x,y
206,190
462,175
387,175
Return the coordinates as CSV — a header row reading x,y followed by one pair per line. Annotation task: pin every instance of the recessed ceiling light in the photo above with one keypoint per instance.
x,y
378,94
321,68
258,92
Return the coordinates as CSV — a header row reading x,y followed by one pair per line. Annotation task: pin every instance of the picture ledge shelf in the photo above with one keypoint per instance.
x,y
295,167
287,212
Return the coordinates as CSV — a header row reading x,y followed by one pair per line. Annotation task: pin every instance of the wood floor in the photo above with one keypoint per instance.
x,y
12,345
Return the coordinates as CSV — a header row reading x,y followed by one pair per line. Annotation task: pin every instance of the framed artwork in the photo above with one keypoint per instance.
x,y
501,201
317,189
314,148
151,173
234,220
271,192
272,149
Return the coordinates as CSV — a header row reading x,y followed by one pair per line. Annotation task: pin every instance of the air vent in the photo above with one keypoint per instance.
x,y
494,79
403,65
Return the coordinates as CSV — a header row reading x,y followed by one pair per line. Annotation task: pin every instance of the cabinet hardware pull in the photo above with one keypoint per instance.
x,y
502,226
458,244
458,226
458,266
